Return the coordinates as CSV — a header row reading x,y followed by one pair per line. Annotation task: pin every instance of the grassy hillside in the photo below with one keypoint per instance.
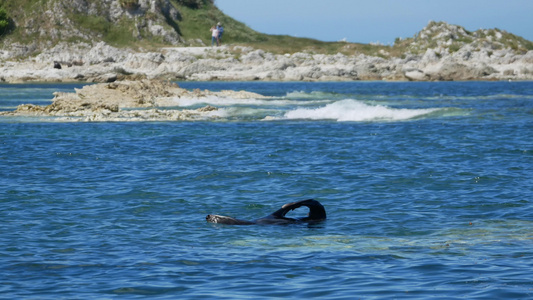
x,y
196,22
138,24
47,22
51,21
43,23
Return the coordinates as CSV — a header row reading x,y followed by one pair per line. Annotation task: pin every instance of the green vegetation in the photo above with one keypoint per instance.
x,y
4,21
517,42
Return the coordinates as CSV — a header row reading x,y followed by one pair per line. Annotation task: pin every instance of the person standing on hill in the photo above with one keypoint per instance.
x,y
214,36
220,32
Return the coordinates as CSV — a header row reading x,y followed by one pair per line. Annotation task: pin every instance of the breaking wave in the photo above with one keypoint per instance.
x,y
353,110
324,109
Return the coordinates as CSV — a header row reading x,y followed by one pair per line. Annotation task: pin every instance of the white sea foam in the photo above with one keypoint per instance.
x,y
353,110
286,109
228,101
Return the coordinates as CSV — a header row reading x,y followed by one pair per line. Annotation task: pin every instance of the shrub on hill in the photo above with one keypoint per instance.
x,y
4,21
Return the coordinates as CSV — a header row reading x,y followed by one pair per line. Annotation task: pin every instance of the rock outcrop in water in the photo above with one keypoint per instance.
x,y
439,52
141,100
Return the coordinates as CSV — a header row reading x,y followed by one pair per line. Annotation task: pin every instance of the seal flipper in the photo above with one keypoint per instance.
x,y
316,210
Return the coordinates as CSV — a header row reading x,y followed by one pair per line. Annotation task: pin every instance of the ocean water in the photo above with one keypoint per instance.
x,y
428,189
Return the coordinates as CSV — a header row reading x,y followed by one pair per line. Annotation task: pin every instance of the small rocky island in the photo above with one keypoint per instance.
x,y
139,100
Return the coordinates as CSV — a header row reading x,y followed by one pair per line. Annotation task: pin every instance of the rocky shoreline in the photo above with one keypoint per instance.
x,y
139,100
103,63
440,52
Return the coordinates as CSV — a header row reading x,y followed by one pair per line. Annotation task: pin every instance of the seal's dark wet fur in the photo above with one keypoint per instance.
x,y
317,213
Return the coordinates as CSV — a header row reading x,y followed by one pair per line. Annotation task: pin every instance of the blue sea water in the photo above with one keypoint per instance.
x,y
428,189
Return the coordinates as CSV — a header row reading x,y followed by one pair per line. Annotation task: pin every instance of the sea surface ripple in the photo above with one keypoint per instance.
x,y
428,189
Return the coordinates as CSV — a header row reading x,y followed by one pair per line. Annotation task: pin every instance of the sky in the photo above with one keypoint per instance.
x,y
373,21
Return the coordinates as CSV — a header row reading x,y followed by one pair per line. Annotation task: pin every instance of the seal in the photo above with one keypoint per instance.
x,y
317,213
